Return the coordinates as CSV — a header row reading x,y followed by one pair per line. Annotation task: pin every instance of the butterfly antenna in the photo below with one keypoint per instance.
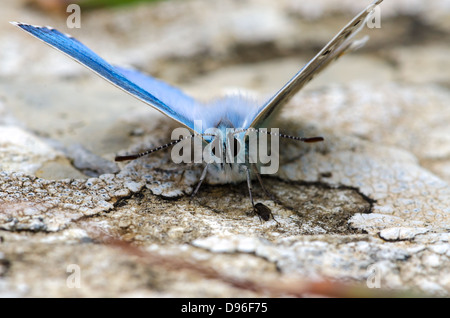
x,y
147,152
303,139
150,151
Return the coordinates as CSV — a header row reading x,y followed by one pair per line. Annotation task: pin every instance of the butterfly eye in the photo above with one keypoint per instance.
x,y
236,147
214,151
215,148
235,144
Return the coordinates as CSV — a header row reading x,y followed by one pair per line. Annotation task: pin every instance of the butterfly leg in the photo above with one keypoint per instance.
x,y
269,194
181,177
249,185
202,177
263,212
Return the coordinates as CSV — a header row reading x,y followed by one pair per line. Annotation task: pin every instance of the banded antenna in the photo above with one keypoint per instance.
x,y
303,139
150,151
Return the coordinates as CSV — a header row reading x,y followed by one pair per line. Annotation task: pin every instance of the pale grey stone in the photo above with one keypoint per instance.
x,y
370,203
401,233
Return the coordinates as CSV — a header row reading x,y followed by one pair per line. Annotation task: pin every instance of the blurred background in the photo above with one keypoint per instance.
x,y
205,48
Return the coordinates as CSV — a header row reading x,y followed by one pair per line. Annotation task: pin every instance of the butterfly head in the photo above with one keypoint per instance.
x,y
231,140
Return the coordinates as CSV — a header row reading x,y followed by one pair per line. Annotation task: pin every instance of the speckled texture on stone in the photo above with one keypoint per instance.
x,y
370,204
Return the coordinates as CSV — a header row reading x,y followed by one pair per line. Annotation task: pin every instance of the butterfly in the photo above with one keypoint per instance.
x,y
231,112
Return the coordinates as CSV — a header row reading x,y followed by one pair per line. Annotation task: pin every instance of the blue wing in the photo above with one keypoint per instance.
x,y
179,101
338,46
165,98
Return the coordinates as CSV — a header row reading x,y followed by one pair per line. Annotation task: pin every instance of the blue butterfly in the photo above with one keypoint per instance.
x,y
236,112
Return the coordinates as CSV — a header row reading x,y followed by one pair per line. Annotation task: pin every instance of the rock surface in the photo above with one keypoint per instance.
x,y
369,207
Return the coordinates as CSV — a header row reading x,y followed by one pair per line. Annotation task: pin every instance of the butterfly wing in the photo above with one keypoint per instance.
x,y
165,98
339,45
172,96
